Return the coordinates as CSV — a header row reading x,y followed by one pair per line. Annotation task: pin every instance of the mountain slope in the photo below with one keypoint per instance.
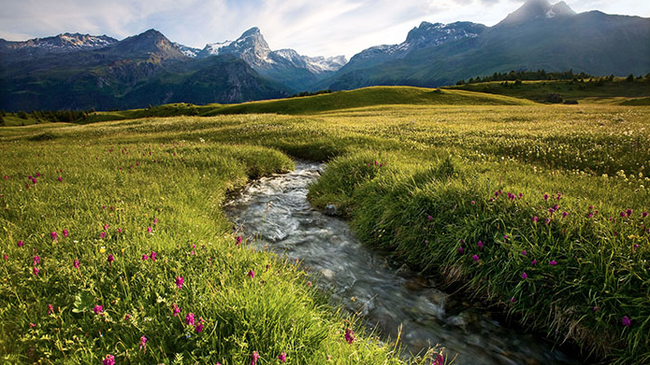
x,y
286,66
135,72
536,36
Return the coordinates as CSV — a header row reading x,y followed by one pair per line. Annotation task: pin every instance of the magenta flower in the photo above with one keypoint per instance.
x,y
254,357
102,235
145,257
110,258
6,257
460,249
75,263
512,299
155,221
564,214
36,271
109,360
429,217
475,258
149,229
199,328
20,243
54,236
50,309
535,219
628,212
143,342
251,274
553,262
37,260
98,309
534,262
127,317
153,255
440,360
349,336
626,321
524,275
189,319
176,310
595,309
60,179
239,239
545,196
38,174
119,230
179,282
282,357
106,226
644,214
548,220
622,214
480,245
65,233
524,253
473,202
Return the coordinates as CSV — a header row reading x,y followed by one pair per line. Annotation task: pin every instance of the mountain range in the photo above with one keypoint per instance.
x,y
80,71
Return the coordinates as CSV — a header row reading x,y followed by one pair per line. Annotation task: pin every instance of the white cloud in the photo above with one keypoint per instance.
x,y
312,27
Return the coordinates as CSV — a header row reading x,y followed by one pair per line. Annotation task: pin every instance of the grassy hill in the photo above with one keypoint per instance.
x,y
341,100
618,91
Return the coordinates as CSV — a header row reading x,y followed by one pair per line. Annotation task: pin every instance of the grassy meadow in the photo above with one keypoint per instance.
x,y
539,210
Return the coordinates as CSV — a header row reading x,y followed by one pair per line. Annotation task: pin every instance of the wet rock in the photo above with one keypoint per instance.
x,y
331,210
463,319
327,274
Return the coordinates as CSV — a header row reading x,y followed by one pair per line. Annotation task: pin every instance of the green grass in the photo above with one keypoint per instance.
x,y
614,92
432,161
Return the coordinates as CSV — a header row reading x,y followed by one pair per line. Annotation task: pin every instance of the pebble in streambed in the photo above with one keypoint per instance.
x,y
274,211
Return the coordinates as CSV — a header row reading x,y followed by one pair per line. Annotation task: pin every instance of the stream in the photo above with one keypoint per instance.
x,y
274,212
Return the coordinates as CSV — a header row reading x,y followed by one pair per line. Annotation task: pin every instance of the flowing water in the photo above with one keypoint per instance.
x,y
274,212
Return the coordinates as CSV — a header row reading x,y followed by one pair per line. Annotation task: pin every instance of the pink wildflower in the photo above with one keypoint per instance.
x,y
20,243
189,319
65,233
282,357
109,360
75,263
179,282
254,357
349,336
50,309
98,309
251,274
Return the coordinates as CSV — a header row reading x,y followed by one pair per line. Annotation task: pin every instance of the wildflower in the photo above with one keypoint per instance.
x,y
553,262
545,196
628,212
524,275
282,357
534,262
595,309
102,235
473,202
119,230
622,214
349,336
127,317
143,342
155,221
20,243
98,309
6,257
460,249
475,258
440,360
176,310
189,319
110,258
37,260
60,179
50,309
149,229
548,220
75,263
535,219
590,215
32,325
521,195
254,357
153,255
429,217
512,299
644,214
564,214
251,274
480,245
54,236
145,257
65,233
626,321
179,282
109,360
524,253
239,239
36,271
106,226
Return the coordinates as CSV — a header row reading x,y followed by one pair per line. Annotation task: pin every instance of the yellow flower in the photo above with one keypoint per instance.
x,y
102,250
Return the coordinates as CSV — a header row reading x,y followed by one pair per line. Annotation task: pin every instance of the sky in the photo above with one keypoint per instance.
x,y
311,27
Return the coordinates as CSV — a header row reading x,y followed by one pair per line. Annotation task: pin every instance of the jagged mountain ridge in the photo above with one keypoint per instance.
x,y
146,69
538,35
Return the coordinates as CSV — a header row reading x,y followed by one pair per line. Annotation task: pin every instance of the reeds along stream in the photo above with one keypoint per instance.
x,y
274,212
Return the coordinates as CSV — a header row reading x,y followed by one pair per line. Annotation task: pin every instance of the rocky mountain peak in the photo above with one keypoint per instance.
x,y
537,9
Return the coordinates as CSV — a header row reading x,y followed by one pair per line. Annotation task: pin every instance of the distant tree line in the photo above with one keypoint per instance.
x,y
518,76
307,93
55,116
